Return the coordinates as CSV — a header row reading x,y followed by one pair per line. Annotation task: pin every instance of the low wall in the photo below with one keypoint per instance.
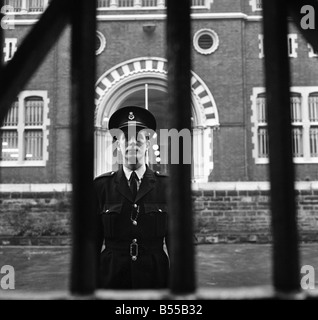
x,y
244,215
33,215
220,216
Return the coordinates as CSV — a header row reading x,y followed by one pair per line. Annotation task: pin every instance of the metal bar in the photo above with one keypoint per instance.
x,y
1,31
179,92
84,253
1,61
277,78
32,52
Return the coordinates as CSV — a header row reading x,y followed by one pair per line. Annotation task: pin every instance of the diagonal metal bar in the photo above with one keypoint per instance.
x,y
283,208
84,248
298,10
32,51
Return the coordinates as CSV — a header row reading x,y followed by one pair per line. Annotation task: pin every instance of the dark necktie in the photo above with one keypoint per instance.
x,y
133,184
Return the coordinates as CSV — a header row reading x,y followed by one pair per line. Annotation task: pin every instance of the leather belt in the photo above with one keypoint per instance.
x,y
135,248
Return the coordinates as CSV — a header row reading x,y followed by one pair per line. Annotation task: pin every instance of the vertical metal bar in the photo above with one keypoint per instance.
x,y
82,117
178,34
1,30
277,78
1,61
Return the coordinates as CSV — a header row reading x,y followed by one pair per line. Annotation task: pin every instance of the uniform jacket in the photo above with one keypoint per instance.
x,y
134,255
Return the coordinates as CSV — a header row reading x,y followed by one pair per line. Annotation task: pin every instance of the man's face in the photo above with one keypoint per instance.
x,y
133,145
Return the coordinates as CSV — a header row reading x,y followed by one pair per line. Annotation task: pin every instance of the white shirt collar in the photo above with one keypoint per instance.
x,y
140,172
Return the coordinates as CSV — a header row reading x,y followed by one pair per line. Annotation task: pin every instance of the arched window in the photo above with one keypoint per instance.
x,y
126,84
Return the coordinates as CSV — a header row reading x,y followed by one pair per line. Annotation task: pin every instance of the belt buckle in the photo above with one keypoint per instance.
x,y
134,250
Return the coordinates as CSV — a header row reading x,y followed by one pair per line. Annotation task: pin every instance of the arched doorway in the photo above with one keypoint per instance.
x,y
143,82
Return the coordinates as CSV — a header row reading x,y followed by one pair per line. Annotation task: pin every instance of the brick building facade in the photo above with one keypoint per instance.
x,y
229,136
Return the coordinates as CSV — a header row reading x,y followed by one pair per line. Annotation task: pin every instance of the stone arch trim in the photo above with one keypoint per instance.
x,y
202,98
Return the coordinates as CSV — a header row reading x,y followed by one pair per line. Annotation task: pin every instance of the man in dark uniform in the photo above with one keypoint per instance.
x,y
132,210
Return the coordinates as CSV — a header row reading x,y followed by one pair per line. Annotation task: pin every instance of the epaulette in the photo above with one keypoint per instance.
x,y
158,174
107,174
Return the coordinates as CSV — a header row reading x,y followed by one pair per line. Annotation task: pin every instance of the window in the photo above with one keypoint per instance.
x,y
198,3
100,43
262,135
16,4
137,4
32,6
297,125
313,124
24,131
103,3
125,3
36,5
256,5
205,41
10,48
9,134
292,45
304,118
149,3
311,52
261,46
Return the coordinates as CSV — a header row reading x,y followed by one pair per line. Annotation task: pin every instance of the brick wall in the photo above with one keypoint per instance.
x,y
230,73
26,217
244,216
219,216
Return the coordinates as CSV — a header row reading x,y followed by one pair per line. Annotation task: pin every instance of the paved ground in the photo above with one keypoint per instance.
x,y
217,265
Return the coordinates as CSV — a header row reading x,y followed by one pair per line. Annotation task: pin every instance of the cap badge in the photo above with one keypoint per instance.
x,y
131,116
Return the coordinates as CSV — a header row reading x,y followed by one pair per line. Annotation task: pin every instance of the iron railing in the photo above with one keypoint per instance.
x,y
81,14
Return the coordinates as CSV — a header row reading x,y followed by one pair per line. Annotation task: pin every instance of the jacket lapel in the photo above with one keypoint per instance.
x,y
122,185
147,184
